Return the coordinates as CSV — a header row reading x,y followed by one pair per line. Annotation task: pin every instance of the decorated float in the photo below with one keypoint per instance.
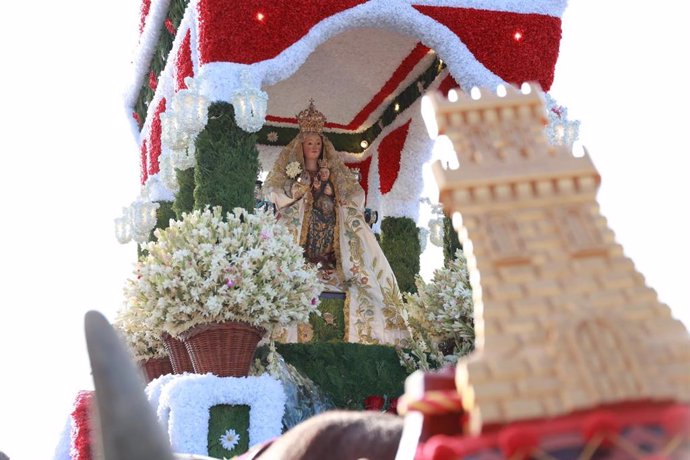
x,y
276,281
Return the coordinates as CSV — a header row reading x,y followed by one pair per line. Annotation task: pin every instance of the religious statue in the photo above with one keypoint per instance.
x,y
320,201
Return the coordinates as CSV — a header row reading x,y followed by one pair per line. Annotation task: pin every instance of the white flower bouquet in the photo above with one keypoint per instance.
x,y
144,341
294,169
211,268
440,316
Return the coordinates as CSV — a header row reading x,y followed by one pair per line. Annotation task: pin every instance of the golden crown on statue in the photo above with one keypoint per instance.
x,y
311,120
324,164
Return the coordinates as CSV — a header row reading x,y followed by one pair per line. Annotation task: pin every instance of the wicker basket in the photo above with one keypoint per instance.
x,y
155,367
179,358
225,349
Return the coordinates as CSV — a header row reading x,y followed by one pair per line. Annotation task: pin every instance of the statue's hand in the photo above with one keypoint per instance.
x,y
299,189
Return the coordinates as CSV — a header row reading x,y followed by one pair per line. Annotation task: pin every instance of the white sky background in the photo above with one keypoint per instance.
x,y
70,163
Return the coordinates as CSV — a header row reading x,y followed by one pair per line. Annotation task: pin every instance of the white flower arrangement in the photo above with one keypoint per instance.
x,y
144,341
209,267
186,400
440,311
294,169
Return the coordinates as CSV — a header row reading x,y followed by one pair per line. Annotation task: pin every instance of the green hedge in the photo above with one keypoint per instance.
x,y
164,213
348,372
450,241
184,199
400,244
227,162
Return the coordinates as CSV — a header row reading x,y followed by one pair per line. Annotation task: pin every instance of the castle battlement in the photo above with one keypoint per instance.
x,y
504,156
563,319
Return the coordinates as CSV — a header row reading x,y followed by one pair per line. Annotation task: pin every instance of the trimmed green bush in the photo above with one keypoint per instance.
x,y
184,200
227,162
164,214
400,244
450,241
348,372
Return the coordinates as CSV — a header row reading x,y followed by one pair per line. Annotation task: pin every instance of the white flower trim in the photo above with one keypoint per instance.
x,y
166,80
220,80
156,189
166,87
547,7
153,27
403,198
189,398
155,387
63,446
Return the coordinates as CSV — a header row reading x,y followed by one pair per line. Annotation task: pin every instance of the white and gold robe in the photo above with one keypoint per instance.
x,y
373,299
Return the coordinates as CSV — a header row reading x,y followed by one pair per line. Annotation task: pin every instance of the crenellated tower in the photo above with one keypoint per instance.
x,y
564,320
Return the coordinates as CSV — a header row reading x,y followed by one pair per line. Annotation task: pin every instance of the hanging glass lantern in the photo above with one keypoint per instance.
x,y
173,134
167,172
144,219
436,231
250,104
191,109
560,130
123,227
185,158
423,238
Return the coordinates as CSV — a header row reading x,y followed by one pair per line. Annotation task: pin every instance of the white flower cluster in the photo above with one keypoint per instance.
x,y
446,301
229,439
210,267
293,169
143,342
185,402
441,311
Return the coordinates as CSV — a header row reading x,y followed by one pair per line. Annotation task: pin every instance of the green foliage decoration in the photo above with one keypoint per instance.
x,y
347,142
227,162
164,213
184,199
400,244
330,326
223,417
160,57
348,372
451,243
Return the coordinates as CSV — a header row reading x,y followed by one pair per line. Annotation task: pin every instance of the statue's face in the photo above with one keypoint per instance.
x,y
311,146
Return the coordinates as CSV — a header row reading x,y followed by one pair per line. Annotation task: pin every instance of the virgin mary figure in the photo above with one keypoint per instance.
x,y
321,202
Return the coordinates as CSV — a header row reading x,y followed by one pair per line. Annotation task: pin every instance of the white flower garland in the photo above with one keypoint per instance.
x,y
166,80
403,199
153,26
221,79
189,398
547,7
155,388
